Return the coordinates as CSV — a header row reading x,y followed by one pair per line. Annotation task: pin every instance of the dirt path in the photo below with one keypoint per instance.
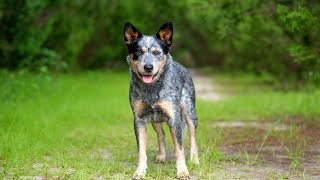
x,y
293,153
204,86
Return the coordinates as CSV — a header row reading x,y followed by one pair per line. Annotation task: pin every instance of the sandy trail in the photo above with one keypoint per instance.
x,y
204,86
275,159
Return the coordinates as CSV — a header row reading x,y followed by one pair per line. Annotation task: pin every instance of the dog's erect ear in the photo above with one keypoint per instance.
x,y
130,33
165,33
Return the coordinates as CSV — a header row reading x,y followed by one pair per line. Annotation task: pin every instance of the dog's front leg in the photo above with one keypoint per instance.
x,y
161,142
176,133
140,130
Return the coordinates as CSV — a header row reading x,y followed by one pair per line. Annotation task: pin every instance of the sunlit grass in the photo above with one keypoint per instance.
x,y
80,126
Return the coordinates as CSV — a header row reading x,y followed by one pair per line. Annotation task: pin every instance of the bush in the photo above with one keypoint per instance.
x,y
278,37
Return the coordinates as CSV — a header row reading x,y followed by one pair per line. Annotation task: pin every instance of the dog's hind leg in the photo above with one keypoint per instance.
x,y
161,142
192,122
194,157
176,134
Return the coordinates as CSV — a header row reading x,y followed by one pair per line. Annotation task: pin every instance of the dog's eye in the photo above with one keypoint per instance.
x,y
155,52
139,52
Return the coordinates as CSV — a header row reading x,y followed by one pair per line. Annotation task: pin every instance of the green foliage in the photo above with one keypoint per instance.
x,y
297,21
20,37
300,21
279,37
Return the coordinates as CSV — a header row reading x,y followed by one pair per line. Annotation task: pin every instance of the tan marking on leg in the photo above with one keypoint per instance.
x,y
182,171
161,142
138,106
142,154
166,107
194,157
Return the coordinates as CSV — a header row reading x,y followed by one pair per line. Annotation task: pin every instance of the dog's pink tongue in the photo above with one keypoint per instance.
x,y
147,79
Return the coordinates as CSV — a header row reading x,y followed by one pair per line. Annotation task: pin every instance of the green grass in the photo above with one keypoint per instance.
x,y
249,97
80,126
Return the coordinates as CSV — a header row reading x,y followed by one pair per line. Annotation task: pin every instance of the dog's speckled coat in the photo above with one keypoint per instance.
x,y
170,97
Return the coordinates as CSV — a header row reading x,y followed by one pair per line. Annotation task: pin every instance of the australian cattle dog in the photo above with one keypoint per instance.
x,y
161,90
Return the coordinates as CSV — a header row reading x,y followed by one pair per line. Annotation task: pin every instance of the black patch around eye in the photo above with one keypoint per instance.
x,y
155,52
135,57
165,48
138,52
133,48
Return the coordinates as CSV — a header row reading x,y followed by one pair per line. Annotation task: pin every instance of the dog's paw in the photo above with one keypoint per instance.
x,y
183,175
160,158
195,162
139,175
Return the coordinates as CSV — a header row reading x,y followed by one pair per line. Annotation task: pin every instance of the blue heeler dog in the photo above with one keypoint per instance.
x,y
161,90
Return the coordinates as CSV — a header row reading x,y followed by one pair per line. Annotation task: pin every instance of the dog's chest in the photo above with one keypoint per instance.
x,y
148,94
156,102
153,107
156,108
156,115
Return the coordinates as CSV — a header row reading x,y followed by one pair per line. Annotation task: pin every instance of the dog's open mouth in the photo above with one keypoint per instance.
x,y
148,78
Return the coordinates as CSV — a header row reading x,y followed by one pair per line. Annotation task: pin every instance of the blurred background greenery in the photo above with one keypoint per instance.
x,y
61,117
274,37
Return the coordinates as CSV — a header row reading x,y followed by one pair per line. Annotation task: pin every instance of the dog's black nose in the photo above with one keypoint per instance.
x,y
148,67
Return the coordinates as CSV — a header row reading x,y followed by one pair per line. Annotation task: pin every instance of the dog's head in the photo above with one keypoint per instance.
x,y
148,54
